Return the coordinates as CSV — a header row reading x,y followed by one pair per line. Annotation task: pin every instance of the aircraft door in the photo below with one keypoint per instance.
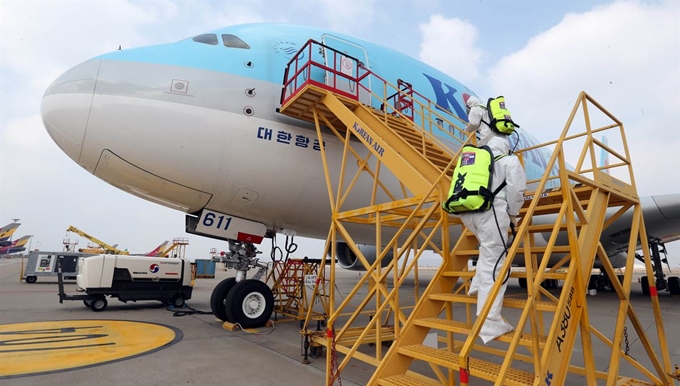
x,y
346,65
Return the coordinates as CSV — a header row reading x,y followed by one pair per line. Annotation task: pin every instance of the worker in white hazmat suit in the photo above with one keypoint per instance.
x,y
478,121
491,229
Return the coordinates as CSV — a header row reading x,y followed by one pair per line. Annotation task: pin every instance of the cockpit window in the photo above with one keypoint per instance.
x,y
206,39
234,41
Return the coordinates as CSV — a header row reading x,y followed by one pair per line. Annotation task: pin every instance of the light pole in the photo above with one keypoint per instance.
x,y
14,220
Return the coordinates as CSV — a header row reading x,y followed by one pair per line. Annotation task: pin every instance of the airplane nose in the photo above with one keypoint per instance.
x,y
65,106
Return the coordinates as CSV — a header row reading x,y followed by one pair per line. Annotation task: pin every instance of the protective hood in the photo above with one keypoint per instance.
x,y
472,101
498,145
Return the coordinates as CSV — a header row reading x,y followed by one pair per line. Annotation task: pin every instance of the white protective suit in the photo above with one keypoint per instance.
x,y
478,119
507,203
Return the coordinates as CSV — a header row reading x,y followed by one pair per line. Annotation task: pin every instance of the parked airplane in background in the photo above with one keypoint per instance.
x,y
18,245
158,250
193,126
6,233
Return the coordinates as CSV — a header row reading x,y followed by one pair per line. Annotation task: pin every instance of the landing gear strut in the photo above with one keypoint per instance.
x,y
247,302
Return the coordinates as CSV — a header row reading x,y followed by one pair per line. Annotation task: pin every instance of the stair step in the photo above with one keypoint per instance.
x,y
538,250
546,275
402,380
351,336
477,368
465,328
507,302
516,274
544,208
548,227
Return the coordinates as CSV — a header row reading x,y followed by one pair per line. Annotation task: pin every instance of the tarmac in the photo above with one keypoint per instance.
x,y
204,353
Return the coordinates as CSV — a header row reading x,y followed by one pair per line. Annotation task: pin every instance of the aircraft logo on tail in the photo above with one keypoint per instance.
x,y
18,245
157,251
6,233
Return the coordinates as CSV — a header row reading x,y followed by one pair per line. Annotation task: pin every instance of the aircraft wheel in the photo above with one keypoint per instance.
x,y
98,304
522,282
219,296
250,303
86,303
644,281
674,285
31,279
177,301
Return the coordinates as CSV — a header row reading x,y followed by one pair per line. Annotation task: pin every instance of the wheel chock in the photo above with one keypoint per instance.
x,y
235,326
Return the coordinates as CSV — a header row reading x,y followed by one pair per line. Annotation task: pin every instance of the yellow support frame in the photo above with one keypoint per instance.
x,y
416,218
409,222
582,214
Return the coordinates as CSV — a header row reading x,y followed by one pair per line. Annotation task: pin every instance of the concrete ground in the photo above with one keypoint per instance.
x,y
210,355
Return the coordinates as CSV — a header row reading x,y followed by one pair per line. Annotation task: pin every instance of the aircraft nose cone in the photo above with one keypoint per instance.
x,y
65,106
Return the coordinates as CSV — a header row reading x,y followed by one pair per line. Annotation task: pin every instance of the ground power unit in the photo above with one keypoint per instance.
x,y
41,263
130,278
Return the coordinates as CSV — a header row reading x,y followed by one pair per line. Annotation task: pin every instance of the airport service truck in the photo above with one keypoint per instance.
x,y
130,278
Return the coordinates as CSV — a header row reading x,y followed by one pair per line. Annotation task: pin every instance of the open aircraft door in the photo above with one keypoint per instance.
x,y
346,61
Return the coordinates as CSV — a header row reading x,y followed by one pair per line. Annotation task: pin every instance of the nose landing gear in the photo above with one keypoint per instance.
x,y
247,302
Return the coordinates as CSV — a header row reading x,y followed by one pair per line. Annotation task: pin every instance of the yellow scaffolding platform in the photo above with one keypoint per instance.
x,y
404,137
291,280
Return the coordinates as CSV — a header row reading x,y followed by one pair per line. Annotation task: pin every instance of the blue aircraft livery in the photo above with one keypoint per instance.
x,y
249,44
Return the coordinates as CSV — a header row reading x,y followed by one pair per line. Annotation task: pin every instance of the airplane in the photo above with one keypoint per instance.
x,y
193,125
6,233
156,251
18,245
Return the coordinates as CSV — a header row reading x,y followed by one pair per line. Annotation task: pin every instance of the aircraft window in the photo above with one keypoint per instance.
x,y
206,39
234,41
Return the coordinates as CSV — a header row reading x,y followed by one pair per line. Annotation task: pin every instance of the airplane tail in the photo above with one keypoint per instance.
x,y
20,242
158,249
604,156
18,245
8,230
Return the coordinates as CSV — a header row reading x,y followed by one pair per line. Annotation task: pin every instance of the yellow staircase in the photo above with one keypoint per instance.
x,y
549,323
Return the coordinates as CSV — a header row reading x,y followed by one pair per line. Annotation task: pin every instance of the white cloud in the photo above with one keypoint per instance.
x,y
626,55
450,45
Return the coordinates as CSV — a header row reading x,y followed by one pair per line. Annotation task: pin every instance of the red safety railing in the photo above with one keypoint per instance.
x,y
303,70
327,68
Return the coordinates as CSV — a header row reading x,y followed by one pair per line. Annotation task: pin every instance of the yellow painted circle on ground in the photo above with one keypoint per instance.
x,y
44,347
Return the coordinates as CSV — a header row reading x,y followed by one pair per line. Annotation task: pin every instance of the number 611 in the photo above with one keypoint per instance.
x,y
209,221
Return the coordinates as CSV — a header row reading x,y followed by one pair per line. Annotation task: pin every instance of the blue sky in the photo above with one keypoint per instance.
x,y
539,54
